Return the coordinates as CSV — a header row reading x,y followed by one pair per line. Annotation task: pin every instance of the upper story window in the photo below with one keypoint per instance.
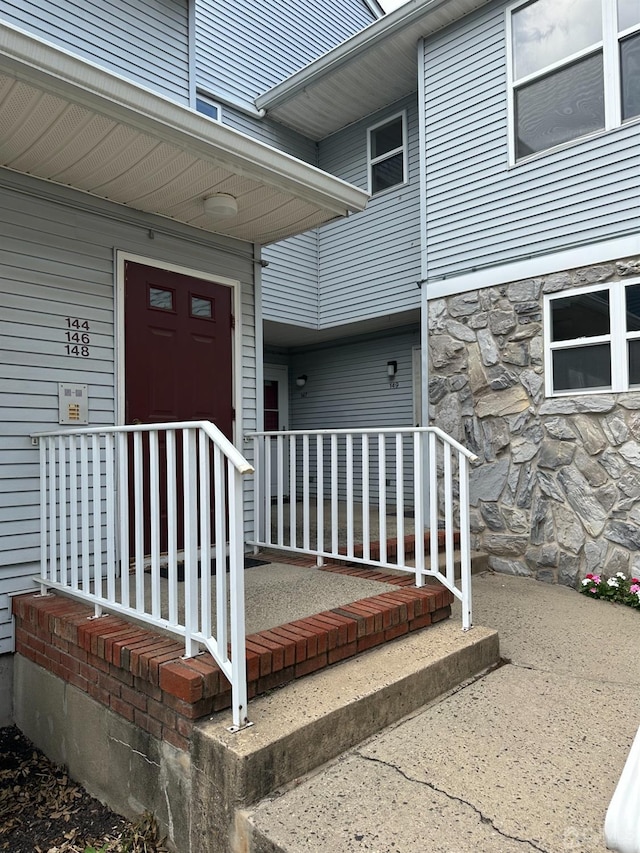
x,y
387,154
208,107
574,69
592,339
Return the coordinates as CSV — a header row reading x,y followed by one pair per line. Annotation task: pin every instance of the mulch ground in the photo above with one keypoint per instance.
x,y
42,810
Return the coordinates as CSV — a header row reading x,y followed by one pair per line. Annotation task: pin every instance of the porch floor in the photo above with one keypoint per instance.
x,y
299,619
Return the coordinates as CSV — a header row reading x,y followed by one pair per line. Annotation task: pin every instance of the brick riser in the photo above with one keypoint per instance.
x,y
142,676
409,546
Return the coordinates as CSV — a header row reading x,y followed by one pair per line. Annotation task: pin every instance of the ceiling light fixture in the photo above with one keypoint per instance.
x,y
220,206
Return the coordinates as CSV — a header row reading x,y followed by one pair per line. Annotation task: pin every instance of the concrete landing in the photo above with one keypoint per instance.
x,y
523,760
303,725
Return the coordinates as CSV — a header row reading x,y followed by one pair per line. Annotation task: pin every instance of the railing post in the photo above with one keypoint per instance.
x,y
190,542
319,499
236,603
465,550
43,514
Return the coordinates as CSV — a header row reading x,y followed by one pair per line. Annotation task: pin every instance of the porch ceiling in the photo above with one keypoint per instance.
x,y
71,122
372,69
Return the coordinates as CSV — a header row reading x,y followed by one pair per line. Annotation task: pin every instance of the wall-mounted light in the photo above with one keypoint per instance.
x,y
392,369
301,380
220,206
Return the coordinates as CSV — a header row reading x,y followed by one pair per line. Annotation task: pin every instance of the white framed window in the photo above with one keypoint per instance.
x,y
208,107
592,339
387,153
573,69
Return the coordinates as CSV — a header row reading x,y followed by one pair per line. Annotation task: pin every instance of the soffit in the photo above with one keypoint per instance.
x,y
73,123
372,69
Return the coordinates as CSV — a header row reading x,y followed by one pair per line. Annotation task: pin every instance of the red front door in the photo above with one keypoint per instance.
x,y
178,366
177,348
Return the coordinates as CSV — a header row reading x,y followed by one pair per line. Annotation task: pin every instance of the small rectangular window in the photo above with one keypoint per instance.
x,y
387,154
208,107
592,339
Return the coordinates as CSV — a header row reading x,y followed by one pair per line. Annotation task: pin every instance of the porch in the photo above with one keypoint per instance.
x,y
133,517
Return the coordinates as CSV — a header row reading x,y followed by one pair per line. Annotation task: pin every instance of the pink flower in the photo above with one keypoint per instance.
x,y
634,587
593,590
595,578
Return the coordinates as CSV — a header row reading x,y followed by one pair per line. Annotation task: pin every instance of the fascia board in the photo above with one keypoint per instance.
x,y
35,61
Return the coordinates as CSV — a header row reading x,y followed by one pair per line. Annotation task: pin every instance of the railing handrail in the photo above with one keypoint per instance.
x,y
368,431
230,450
98,493
375,467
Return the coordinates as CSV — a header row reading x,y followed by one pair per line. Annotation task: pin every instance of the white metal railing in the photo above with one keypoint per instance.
x,y
344,494
123,508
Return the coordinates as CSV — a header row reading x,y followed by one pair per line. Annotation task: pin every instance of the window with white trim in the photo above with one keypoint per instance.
x,y
592,339
207,107
387,154
574,69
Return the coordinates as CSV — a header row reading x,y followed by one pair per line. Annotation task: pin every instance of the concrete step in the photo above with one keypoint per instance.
x,y
308,722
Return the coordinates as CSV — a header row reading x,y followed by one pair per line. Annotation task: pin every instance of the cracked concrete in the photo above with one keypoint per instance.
x,y
134,751
524,759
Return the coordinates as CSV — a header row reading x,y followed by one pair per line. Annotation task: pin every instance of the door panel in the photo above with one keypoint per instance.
x,y
178,348
178,364
276,417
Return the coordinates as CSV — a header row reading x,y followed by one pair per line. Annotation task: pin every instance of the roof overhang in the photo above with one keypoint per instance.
x,y
372,69
71,122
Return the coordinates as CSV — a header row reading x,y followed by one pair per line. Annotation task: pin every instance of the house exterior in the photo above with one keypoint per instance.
x,y
499,257
107,155
489,288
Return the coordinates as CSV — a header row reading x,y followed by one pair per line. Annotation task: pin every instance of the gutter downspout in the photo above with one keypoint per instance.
x,y
424,304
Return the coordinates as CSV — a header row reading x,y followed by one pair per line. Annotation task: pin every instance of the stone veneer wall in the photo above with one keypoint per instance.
x,y
556,491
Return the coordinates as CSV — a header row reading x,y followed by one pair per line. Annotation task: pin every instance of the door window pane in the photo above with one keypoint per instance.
x,y
549,31
582,367
582,316
161,298
628,14
561,106
630,74
201,307
271,414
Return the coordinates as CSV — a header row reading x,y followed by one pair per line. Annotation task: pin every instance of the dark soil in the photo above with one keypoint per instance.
x,y
42,810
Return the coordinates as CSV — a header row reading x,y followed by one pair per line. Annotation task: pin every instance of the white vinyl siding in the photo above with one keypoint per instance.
x,y
148,41
348,384
370,262
481,212
57,259
290,282
348,387
272,133
244,49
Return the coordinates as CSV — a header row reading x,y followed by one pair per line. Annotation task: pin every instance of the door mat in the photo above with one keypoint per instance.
x,y
249,563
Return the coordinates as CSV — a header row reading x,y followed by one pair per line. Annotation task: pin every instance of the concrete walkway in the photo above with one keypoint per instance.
x,y
524,759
